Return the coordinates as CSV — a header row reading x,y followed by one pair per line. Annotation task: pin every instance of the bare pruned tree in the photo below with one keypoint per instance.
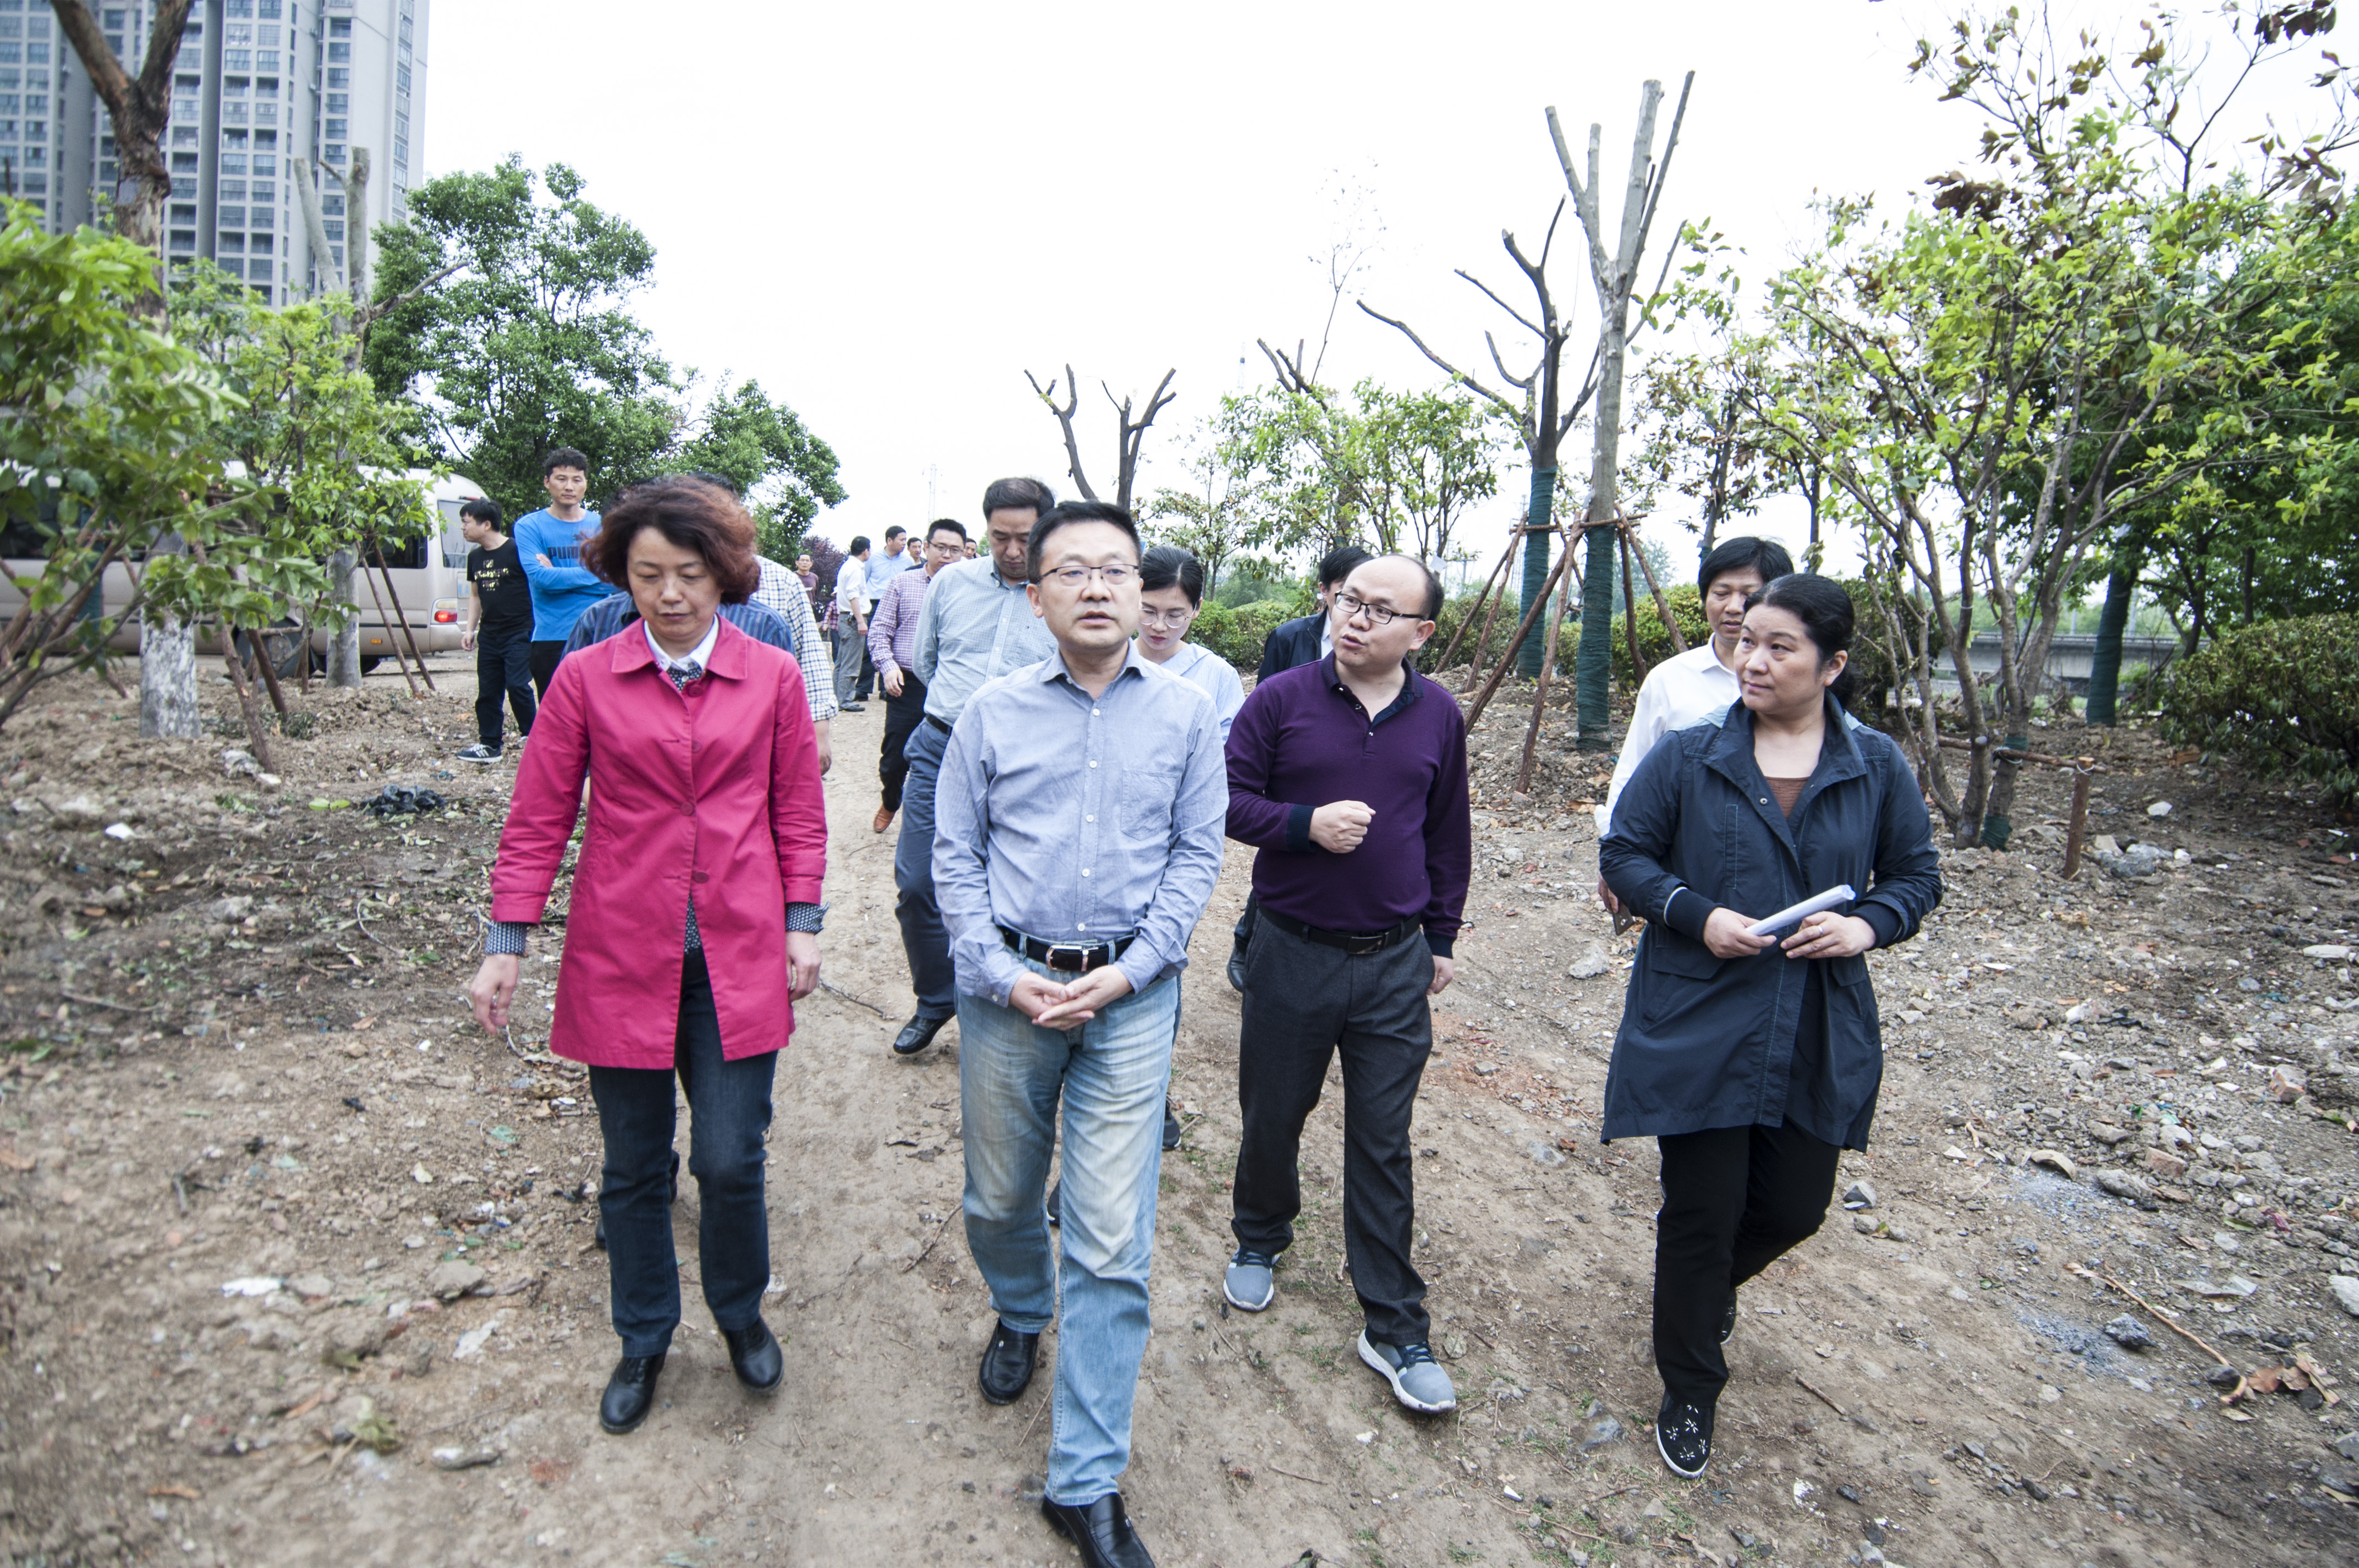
x,y
1133,432
1614,269
1542,413
138,107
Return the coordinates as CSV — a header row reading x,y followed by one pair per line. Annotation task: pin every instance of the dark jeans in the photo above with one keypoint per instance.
x,y
544,658
903,715
502,670
1302,1002
729,1110
1734,1200
923,937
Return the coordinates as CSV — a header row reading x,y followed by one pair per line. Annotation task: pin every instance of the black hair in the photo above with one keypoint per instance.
x,y
1339,563
482,511
1017,496
720,479
563,457
1167,565
859,542
895,531
1826,614
1432,582
938,524
1766,557
1068,512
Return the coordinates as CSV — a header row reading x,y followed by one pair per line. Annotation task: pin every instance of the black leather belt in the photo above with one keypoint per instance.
x,y
1350,943
1067,957
938,724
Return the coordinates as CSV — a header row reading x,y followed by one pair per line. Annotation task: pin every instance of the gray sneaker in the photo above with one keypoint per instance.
x,y
479,753
1418,1380
1251,1283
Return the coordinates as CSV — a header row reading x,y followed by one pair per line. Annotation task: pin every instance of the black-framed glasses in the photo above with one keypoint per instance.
x,y
1378,615
1113,575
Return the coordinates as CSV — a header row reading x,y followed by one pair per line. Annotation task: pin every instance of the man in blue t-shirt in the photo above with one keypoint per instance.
x,y
549,547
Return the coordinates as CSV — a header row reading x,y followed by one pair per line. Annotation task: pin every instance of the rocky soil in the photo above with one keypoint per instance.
x,y
295,1265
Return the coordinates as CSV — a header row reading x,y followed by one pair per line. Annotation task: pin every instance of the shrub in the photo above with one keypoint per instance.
x,y
1237,635
2281,697
1445,628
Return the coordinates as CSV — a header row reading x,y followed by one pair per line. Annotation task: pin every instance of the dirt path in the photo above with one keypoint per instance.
x,y
237,1052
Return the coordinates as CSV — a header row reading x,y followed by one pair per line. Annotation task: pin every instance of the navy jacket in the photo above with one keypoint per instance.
x,y
1711,1043
1291,643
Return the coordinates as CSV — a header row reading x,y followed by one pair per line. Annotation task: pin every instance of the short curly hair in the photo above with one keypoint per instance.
x,y
694,514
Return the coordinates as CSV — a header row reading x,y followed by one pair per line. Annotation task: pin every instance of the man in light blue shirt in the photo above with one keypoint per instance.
x,y
549,548
896,557
976,624
1076,843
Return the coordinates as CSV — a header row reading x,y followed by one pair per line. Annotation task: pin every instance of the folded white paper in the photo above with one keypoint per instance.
x,y
1803,911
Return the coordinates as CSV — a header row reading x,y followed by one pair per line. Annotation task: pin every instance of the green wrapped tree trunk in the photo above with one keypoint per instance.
x,y
1597,639
2105,662
1536,566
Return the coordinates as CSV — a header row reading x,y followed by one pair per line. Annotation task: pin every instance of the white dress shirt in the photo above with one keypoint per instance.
x,y
1684,689
701,655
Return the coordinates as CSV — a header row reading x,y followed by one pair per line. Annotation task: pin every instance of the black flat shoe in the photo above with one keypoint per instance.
x,y
630,1393
1237,967
918,1034
754,1351
1171,1128
1008,1363
1102,1530
1683,1437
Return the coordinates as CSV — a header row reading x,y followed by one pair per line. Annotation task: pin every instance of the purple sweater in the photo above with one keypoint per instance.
x,y
1301,741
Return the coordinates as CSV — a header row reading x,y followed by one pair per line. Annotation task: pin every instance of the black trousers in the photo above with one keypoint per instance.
x,y
903,715
729,1105
1734,1200
503,672
1302,1004
544,659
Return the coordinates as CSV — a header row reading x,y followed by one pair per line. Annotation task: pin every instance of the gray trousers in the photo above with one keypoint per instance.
x,y
1304,1002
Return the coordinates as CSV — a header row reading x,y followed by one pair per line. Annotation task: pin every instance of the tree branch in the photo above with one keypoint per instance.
x,y
1065,423
1456,374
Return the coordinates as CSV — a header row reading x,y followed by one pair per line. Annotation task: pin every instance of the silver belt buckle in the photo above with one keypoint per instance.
x,y
1080,950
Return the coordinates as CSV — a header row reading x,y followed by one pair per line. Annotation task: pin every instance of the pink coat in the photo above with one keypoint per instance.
x,y
715,791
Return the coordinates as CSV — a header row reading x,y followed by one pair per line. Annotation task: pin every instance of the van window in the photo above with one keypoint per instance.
x,y
405,555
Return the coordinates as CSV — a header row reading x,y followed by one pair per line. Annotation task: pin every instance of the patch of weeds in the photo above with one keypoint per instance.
x,y
299,726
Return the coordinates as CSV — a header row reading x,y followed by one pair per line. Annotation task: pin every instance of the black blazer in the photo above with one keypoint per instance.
x,y
1291,643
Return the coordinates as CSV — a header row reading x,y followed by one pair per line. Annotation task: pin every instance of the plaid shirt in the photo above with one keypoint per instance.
x,y
781,593
893,624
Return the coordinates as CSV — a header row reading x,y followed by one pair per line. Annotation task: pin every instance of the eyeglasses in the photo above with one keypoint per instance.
x,y
1166,617
1115,575
1353,604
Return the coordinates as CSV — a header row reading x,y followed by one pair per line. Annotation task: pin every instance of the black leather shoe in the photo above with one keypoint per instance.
x,y
1056,1202
1237,967
918,1034
630,1393
754,1351
1008,1364
1171,1128
1102,1530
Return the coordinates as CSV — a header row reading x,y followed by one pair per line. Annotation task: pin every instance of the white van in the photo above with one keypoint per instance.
x,y
430,590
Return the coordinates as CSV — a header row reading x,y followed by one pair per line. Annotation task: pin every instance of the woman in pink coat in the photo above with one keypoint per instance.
x,y
695,901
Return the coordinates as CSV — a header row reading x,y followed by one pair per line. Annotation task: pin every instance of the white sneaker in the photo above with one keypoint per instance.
x,y
479,753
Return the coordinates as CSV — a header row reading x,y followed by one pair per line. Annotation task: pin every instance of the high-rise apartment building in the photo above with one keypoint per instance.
x,y
257,84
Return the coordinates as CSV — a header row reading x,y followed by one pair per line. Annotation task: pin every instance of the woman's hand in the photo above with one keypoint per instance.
x,y
492,989
1830,936
1725,934
802,964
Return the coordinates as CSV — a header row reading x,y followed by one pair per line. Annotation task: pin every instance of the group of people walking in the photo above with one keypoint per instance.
x,y
1065,767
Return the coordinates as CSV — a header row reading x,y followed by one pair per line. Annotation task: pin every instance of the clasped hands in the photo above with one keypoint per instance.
x,y
1823,935
1056,1007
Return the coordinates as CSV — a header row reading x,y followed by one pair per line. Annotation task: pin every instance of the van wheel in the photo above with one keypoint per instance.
x,y
369,661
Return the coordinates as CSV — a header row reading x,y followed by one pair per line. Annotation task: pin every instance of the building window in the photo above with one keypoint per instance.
x,y
338,103
234,139
340,53
238,33
232,163
340,26
184,136
233,216
184,239
111,19
334,128
401,78
332,204
335,227
334,154
269,10
266,163
232,190
184,163
265,191
184,186
234,114
235,87
267,37
186,214
238,60
239,7
229,243
265,87
262,218
338,77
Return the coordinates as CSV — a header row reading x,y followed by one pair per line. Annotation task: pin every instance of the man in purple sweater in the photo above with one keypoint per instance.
x,y
1349,775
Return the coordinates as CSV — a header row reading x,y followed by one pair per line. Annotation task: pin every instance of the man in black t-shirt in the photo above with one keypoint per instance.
x,y
499,627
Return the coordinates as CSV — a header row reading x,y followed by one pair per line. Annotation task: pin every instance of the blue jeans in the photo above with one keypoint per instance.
x,y
923,938
729,1105
1111,1073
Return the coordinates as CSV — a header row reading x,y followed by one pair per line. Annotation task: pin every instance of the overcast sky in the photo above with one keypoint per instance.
x,y
888,214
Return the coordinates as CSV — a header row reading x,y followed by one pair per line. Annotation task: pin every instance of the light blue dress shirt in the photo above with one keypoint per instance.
x,y
1215,676
973,628
1077,820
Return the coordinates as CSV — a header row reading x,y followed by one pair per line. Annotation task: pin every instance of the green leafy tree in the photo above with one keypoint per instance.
x,y
529,344
1419,461
786,473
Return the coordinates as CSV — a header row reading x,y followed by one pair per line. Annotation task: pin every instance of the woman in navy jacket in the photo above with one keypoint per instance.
x,y
1754,1061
